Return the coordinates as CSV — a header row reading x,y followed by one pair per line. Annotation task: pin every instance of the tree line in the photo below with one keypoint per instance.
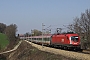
x,y
9,30
34,32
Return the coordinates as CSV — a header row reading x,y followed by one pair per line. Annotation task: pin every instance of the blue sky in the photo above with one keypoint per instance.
x,y
30,14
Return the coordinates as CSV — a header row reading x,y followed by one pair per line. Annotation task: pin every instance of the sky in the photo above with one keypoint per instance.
x,y
30,14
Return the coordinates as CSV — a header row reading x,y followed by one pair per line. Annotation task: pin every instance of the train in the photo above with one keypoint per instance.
x,y
65,41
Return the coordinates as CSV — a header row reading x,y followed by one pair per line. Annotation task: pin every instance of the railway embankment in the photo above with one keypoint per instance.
x,y
69,54
30,51
26,51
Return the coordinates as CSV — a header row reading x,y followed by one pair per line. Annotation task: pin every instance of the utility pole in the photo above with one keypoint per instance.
x,y
28,36
42,33
31,36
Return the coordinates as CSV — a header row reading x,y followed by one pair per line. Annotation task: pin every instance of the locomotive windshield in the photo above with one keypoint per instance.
x,y
74,38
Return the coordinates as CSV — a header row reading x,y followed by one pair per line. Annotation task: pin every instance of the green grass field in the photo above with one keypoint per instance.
x,y
3,41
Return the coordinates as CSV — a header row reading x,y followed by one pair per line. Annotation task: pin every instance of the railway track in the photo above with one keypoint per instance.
x,y
71,54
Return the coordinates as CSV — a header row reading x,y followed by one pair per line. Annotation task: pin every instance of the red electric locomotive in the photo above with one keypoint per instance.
x,y
66,41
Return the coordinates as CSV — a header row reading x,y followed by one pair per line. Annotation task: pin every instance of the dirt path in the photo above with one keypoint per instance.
x,y
76,55
12,49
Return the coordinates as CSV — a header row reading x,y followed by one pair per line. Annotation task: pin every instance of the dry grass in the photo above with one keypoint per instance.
x,y
26,52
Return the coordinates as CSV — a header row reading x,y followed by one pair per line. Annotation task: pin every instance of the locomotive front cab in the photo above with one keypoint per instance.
x,y
74,40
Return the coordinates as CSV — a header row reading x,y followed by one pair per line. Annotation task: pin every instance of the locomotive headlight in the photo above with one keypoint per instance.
x,y
75,43
76,37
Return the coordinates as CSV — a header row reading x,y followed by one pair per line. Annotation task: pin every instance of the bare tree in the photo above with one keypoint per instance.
x,y
10,31
27,34
2,27
36,32
82,26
